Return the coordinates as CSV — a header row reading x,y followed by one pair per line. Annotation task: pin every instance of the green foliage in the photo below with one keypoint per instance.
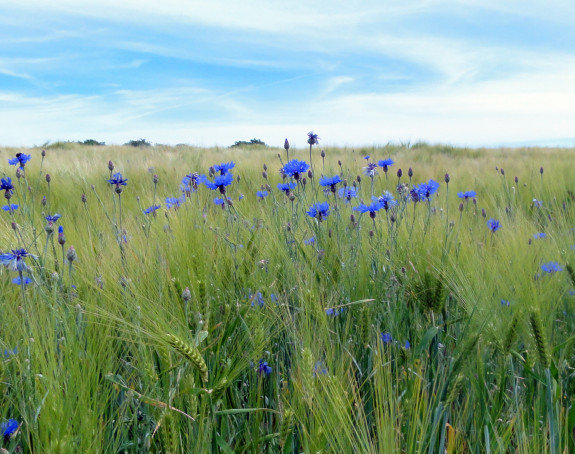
x,y
151,340
251,143
139,143
92,143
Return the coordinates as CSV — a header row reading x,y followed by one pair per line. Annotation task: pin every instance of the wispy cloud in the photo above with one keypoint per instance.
x,y
468,71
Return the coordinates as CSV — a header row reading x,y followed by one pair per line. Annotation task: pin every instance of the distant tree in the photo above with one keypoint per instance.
x,y
138,143
251,143
93,143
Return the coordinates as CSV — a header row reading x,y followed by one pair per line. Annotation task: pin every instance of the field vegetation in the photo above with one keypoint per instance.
x,y
416,299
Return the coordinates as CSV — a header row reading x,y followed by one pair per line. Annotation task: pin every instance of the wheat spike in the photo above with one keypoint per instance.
x,y
189,352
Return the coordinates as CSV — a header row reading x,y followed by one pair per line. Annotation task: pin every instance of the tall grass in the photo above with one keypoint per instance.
x,y
252,327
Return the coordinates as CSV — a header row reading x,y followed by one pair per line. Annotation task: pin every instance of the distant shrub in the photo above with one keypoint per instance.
x,y
92,143
138,143
243,143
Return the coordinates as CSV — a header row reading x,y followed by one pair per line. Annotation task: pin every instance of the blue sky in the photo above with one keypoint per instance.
x,y
356,72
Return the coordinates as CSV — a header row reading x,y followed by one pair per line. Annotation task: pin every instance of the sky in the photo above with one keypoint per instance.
x,y
468,72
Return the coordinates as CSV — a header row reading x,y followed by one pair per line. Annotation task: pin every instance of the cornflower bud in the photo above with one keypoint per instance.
x,y
48,178
399,173
286,144
186,295
110,165
447,179
155,179
61,236
410,172
322,154
84,198
71,254
43,153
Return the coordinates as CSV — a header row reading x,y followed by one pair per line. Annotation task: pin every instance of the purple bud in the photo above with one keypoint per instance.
x,y
110,165
155,179
309,174
399,173
84,199
447,178
43,153
410,172
186,295
483,213
286,144
322,154
516,180
265,168
44,201
541,170
48,178
502,171
461,206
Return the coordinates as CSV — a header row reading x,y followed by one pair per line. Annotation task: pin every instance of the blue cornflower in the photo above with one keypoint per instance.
x,y
312,138
9,427
407,345
241,197
20,160
466,195
540,235
385,163
152,209
9,353
319,211
220,182
494,225
367,157
505,303
319,369
118,180
262,194
347,193
295,168
219,201
19,281
174,202
274,298
386,200
224,167
386,338
15,259
424,191
189,183
370,170
372,208
331,311
551,267
537,203
330,182
257,297
53,218
286,187
6,184
11,207
309,241
263,368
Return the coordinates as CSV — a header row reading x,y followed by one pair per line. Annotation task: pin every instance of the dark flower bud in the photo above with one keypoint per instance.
x,y
238,178
541,170
265,175
309,174
118,189
186,295
265,167
84,198
18,173
44,201
291,197
392,218
48,178
461,206
516,180
14,226
507,210
371,233
339,162
155,179
403,270
502,171
358,179
483,213
474,201
329,233
322,154
304,181
43,153
345,183
410,172
354,184
268,187
288,228
447,179
352,218
399,173
110,165
372,214
529,242
211,171
286,144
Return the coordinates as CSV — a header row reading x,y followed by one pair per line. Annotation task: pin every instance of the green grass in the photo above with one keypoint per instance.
x,y
110,357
